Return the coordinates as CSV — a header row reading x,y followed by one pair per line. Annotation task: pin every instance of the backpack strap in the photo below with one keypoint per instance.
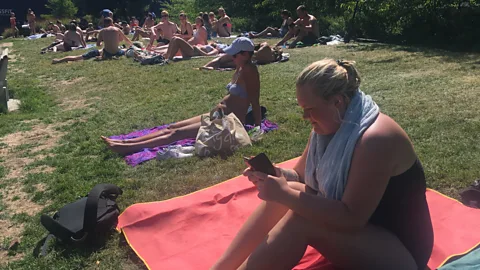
x,y
90,216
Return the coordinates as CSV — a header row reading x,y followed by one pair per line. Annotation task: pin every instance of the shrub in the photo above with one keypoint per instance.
x,y
9,32
62,8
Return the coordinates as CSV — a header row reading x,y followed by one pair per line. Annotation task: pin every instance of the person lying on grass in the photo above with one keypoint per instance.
x,y
357,194
263,54
243,91
276,32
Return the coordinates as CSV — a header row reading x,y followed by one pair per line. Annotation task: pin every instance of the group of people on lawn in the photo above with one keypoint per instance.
x,y
372,216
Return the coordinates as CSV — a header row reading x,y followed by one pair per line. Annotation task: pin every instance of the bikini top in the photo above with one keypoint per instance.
x,y
236,89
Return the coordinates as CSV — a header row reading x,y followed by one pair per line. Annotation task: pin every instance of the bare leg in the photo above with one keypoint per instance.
x,y
264,33
253,232
224,61
288,36
159,133
179,44
371,248
300,36
67,59
172,136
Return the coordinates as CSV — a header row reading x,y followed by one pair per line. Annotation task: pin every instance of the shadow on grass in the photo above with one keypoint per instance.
x,y
467,58
131,255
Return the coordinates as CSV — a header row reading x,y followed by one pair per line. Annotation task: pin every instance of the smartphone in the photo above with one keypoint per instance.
x,y
261,163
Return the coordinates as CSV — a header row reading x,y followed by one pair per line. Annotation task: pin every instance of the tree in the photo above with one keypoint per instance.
x,y
62,8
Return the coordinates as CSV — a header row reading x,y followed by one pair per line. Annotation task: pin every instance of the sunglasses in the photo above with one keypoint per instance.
x,y
164,16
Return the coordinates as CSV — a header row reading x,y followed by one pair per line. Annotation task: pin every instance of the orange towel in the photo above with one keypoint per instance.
x,y
192,231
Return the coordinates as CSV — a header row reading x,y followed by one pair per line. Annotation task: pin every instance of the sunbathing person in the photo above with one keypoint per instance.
x,y
244,90
111,36
223,27
186,29
187,50
213,22
73,58
70,39
53,28
167,28
126,28
276,32
145,30
306,29
357,194
61,26
263,54
91,33
200,35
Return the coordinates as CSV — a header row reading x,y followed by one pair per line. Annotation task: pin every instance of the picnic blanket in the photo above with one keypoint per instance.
x,y
150,153
37,36
468,261
89,46
192,231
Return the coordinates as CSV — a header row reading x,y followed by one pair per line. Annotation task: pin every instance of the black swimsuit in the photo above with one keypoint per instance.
x,y
404,212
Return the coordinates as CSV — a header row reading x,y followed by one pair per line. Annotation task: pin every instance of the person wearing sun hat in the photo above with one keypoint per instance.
x,y
243,92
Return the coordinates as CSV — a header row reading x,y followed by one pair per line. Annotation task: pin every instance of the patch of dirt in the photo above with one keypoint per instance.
x,y
17,201
42,169
6,44
72,104
9,231
42,135
70,82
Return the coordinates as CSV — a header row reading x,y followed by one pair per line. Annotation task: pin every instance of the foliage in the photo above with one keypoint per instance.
x,y
62,8
8,32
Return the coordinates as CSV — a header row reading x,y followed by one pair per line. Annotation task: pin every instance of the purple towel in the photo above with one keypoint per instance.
x,y
150,153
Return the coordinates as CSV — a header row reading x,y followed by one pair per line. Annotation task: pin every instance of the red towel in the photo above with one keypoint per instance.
x,y
192,231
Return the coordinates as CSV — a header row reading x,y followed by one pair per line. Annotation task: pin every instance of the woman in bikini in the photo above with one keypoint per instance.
x,y
243,91
276,32
186,29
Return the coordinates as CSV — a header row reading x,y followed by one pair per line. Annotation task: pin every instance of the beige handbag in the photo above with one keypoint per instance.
x,y
220,134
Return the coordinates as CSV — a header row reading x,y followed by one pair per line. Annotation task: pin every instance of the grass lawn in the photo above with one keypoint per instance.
x,y
51,153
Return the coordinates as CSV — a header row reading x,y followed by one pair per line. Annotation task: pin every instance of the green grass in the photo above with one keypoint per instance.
x,y
432,94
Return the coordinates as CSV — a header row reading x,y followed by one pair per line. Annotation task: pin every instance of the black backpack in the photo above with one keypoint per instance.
x,y
87,221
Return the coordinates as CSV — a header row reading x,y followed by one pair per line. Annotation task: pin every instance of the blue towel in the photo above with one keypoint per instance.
x,y
471,261
329,156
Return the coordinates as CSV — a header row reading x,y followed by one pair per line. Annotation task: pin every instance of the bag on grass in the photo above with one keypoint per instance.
x,y
220,134
87,221
470,196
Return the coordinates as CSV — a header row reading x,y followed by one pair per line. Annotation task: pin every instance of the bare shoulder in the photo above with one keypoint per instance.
x,y
250,70
387,142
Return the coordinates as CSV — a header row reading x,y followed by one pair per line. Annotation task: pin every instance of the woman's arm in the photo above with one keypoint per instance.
x,y
368,178
252,82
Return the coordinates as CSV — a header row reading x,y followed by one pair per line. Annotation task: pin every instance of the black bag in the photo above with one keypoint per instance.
x,y
86,221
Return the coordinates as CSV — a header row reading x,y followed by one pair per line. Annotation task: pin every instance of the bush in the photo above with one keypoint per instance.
x,y
62,8
9,32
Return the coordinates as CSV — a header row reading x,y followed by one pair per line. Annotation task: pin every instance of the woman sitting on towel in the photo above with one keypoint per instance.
x,y
243,91
357,194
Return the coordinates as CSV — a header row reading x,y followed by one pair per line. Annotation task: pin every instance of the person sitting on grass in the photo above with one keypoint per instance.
x,y
306,29
276,32
213,22
357,193
244,90
186,29
61,26
223,27
196,46
126,28
167,28
90,33
144,31
72,38
111,36
53,28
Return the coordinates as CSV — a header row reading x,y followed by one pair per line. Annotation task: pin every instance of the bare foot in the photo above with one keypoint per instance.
x,y
119,148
